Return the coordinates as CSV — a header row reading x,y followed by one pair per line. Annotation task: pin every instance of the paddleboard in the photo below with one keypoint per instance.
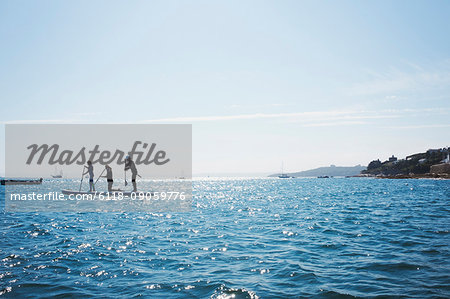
x,y
20,182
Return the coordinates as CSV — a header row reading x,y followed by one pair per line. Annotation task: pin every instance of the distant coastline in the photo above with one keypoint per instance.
x,y
432,164
330,171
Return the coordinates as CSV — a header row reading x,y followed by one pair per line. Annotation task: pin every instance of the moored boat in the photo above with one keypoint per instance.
x,y
57,175
283,175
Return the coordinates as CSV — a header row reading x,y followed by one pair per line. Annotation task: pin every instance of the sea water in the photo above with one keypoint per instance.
x,y
243,238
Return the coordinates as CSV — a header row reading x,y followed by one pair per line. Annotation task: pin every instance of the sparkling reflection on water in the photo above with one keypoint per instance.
x,y
243,238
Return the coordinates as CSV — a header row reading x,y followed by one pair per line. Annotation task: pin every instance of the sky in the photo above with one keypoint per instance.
x,y
303,83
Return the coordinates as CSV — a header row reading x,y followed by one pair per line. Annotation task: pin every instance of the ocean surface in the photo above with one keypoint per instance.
x,y
244,238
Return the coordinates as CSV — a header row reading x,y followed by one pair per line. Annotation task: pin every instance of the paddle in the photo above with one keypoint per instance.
x,y
99,176
125,172
82,177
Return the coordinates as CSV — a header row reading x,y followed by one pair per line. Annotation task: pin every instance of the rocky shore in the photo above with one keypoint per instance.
x,y
443,176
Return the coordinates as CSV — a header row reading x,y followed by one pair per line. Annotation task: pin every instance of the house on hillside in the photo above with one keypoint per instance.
x,y
415,156
446,160
392,159
432,150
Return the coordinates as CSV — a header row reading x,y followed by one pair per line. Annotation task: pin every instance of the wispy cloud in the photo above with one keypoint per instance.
x,y
311,117
334,123
223,117
419,126
40,121
413,78
253,107
77,118
306,119
252,116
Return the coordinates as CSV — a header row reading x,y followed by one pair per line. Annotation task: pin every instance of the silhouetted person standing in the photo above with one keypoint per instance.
x,y
129,165
109,177
90,171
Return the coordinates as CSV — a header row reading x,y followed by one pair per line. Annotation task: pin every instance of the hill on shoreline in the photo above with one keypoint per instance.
x,y
419,163
331,170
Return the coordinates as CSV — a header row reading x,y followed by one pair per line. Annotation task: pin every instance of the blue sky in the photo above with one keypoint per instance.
x,y
305,82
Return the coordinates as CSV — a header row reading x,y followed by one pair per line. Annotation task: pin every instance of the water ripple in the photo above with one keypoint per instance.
x,y
245,238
